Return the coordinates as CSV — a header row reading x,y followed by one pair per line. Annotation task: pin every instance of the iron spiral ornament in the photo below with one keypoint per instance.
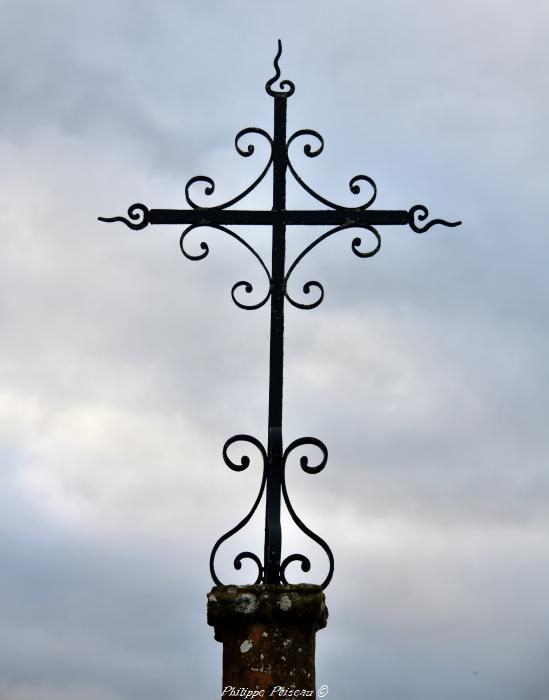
x,y
311,152
243,284
304,462
209,184
239,467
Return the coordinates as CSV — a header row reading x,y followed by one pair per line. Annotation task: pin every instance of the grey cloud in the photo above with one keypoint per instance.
x,y
125,366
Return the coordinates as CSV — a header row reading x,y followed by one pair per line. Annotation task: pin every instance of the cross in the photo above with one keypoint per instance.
x,y
272,570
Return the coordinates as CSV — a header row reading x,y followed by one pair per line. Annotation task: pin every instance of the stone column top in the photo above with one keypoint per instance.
x,y
295,604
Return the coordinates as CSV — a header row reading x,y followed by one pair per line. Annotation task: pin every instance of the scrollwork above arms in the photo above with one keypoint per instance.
x,y
422,213
248,287
355,247
209,184
311,152
138,213
236,466
304,462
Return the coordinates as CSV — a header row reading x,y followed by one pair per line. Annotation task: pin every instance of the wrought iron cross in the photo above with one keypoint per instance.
x,y
272,570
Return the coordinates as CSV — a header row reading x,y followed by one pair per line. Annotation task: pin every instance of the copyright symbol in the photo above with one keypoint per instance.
x,y
322,691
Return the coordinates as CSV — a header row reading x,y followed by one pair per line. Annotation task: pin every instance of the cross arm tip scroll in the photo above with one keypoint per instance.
x,y
138,217
419,213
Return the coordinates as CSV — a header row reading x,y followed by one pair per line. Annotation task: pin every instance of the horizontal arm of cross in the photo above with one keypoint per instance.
x,y
140,216
235,217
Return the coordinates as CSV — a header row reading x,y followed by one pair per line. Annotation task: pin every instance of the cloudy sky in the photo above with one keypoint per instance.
x,y
124,367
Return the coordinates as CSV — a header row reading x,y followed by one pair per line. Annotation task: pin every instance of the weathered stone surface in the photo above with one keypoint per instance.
x,y
268,634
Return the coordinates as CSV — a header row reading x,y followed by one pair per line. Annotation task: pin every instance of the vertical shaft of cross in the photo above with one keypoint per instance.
x,y
273,534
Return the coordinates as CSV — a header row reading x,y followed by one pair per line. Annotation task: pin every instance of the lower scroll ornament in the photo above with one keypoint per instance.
x,y
243,464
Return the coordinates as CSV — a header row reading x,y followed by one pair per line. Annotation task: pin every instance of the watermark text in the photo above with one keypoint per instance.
x,y
278,691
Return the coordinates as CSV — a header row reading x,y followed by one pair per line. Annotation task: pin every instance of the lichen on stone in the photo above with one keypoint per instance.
x,y
247,603
284,603
246,646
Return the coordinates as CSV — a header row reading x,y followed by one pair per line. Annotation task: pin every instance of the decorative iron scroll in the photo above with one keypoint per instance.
x,y
311,152
422,213
287,88
209,184
248,287
137,212
304,462
244,464
355,247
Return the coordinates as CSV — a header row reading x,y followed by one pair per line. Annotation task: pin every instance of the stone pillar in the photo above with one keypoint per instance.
x,y
268,636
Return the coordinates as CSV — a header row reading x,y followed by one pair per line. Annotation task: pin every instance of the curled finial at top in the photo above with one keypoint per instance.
x,y
287,88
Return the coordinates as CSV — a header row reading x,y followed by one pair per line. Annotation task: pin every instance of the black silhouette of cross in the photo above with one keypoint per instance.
x,y
272,569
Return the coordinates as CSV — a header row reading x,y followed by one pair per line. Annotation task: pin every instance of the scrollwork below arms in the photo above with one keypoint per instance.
x,y
248,287
304,462
238,467
355,246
